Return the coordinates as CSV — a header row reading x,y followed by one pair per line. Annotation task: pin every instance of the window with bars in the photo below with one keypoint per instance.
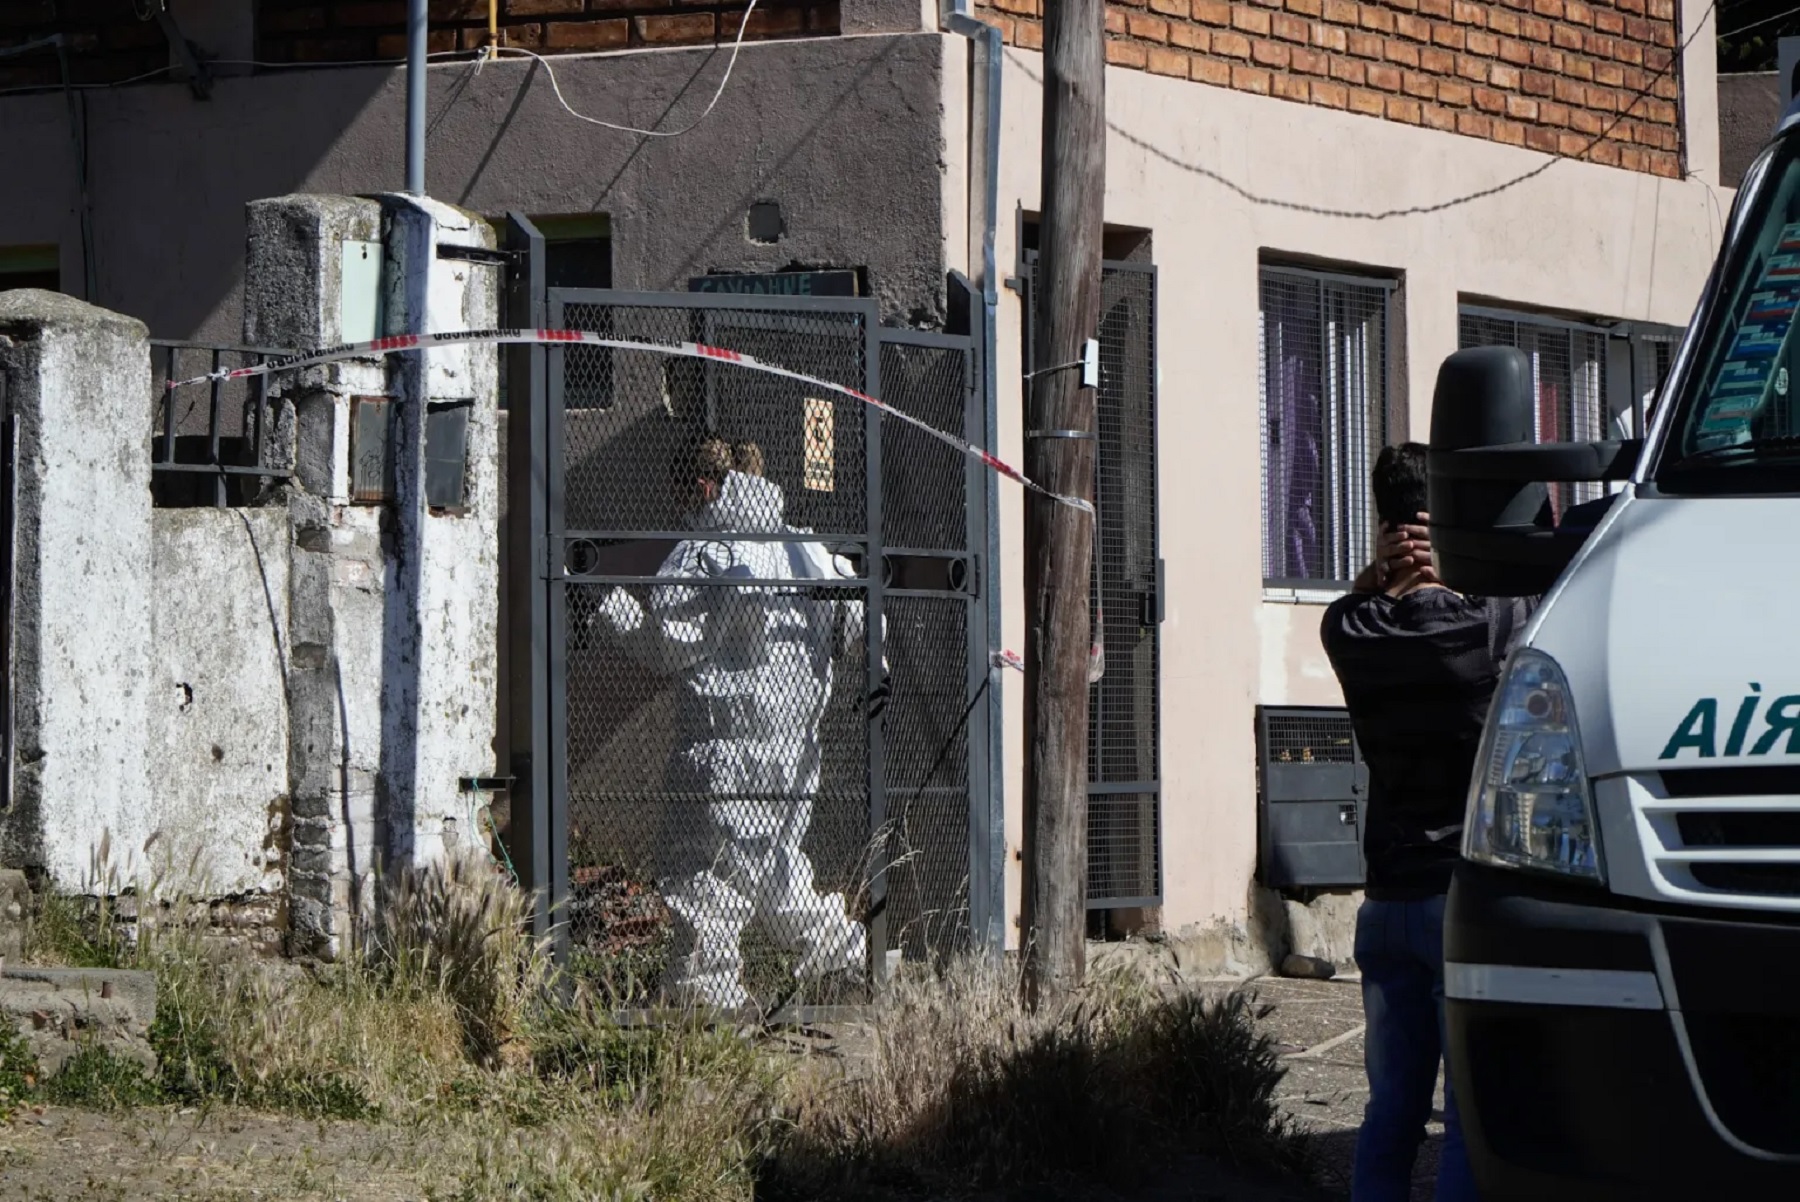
x,y
1327,408
1568,373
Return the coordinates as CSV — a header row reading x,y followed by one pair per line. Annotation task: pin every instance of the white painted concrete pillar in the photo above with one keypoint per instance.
x,y
77,384
439,711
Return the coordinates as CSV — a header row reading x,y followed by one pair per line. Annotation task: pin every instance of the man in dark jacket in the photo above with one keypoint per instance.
x,y
1418,665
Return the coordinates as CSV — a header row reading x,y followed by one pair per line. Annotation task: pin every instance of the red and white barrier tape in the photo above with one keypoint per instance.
x,y
691,350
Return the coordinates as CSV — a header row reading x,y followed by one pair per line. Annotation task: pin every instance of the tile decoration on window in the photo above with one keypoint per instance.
x,y
1327,408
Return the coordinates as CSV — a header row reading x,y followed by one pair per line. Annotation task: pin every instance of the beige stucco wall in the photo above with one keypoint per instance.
x,y
1581,238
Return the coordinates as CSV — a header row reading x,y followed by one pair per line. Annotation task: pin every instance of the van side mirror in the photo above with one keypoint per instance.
x,y
1492,532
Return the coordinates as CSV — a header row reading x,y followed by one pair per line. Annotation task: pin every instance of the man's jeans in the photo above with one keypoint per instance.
x,y
1400,950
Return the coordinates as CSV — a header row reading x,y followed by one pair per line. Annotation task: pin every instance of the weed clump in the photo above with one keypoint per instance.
x,y
18,1071
97,1079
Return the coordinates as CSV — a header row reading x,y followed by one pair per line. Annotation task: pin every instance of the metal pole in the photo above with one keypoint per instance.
x,y
416,22
984,217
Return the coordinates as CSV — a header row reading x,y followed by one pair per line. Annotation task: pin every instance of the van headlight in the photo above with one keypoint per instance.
x,y
1530,805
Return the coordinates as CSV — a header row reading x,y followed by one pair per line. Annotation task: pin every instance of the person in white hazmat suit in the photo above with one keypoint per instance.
x,y
754,665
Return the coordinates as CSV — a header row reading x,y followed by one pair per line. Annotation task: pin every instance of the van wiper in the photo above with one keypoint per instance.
x,y
1782,443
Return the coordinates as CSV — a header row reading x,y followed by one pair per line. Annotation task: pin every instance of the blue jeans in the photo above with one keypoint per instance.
x,y
1400,950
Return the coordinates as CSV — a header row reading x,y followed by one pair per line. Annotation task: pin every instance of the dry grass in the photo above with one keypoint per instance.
x,y
448,1031
969,1090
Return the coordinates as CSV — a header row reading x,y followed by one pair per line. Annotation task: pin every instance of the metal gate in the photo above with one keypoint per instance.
x,y
1124,789
762,649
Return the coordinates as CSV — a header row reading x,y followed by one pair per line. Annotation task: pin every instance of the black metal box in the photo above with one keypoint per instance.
x,y
1312,797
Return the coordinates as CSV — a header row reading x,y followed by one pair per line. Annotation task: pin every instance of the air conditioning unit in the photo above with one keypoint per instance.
x,y
1312,798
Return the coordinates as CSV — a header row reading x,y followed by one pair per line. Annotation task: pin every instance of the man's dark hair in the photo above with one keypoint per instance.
x,y
1399,483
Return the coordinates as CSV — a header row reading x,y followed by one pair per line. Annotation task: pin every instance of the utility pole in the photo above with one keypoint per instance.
x,y
1059,538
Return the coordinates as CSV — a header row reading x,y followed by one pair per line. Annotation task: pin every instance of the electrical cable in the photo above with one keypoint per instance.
x,y
736,46
1782,16
1244,193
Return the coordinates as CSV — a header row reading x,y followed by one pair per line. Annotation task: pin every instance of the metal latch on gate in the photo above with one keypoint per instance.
x,y
478,254
485,784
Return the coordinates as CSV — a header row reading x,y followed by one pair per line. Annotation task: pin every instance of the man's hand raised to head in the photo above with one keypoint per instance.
x,y
1400,551
1405,550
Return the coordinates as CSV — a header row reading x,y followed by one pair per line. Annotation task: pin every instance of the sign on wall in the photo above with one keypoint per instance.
x,y
778,283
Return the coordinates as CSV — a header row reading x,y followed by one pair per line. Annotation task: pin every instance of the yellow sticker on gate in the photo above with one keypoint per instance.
x,y
820,474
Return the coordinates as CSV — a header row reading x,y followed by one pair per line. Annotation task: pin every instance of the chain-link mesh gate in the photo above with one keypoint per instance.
x,y
763,667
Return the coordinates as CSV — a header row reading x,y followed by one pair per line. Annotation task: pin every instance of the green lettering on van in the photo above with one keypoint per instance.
x,y
1697,731
1783,718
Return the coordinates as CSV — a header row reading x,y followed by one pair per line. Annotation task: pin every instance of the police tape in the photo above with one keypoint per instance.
x,y
396,343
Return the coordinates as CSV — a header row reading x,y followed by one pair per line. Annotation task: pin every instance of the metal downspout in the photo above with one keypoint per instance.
x,y
985,49
417,19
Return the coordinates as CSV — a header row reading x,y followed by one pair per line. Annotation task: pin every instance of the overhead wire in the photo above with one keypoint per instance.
x,y
1507,185
736,45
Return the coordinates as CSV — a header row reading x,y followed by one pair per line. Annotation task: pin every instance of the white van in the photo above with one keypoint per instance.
x,y
1622,941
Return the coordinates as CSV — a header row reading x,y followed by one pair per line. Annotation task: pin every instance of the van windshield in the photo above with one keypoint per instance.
x,y
1736,426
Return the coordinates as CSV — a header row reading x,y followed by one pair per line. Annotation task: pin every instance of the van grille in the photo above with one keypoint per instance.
x,y
1730,836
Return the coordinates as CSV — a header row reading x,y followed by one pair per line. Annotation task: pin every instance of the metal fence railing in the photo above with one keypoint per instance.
x,y
210,443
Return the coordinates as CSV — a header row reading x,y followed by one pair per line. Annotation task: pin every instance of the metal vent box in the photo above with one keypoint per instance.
x,y
1312,798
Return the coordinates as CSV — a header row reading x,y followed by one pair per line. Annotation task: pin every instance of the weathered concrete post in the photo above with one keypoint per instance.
x,y
439,712
294,297
77,378
393,592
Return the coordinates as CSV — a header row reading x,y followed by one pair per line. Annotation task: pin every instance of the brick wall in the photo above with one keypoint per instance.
x,y
108,42
325,30
1552,75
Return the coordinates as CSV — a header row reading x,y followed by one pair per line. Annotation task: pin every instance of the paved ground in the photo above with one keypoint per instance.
x,y
1319,1027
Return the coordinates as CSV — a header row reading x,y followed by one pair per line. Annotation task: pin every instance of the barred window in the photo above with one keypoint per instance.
x,y
1568,372
1327,408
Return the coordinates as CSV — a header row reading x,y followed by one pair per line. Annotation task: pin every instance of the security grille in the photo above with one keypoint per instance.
x,y
925,521
763,670
1124,857
1327,407
1568,371
1124,787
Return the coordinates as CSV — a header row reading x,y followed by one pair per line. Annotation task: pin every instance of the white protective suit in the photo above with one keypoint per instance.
x,y
755,671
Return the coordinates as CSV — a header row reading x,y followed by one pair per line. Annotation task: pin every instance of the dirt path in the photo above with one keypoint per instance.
x,y
224,1156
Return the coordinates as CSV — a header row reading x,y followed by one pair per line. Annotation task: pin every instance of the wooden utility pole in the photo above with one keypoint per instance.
x,y
1059,538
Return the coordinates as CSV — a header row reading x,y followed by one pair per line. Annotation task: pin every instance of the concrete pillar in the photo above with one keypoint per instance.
x,y
77,383
394,602
299,248
439,712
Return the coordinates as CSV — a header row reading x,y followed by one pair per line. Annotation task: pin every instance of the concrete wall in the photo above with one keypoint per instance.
x,y
835,130
1749,109
218,693
78,380
1577,237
